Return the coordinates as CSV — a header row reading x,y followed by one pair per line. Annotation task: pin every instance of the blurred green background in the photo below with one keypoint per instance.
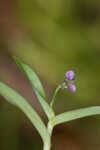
x,y
52,36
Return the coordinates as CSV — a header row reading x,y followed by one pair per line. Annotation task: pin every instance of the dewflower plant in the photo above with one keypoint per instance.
x,y
44,131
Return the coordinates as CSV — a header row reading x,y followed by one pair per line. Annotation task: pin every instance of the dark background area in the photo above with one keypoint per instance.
x,y
53,36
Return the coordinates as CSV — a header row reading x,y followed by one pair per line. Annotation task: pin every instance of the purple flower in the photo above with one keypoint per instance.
x,y
69,75
72,87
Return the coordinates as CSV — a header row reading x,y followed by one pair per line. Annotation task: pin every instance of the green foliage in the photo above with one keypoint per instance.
x,y
16,99
76,114
36,84
31,75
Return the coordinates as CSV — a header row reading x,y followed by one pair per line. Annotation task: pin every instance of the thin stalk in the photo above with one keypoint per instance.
x,y
54,95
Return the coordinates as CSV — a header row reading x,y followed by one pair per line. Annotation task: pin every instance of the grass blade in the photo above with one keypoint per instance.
x,y
16,99
31,75
76,114
37,86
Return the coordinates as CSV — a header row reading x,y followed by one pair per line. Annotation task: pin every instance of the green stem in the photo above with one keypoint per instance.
x,y
54,95
49,128
46,147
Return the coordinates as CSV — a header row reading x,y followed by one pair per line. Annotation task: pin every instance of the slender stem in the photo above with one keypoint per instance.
x,y
54,95
46,145
50,128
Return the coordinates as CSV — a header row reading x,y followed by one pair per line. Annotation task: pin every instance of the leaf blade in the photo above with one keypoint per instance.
x,y
16,99
76,114
48,110
38,89
31,75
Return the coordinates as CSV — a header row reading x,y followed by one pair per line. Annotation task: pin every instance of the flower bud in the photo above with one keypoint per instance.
x,y
72,87
70,75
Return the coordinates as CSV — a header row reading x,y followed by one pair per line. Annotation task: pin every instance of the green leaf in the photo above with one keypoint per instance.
x,y
16,99
37,86
31,75
76,114
48,110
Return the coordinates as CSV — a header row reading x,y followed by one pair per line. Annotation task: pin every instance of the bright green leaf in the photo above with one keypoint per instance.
x,y
14,98
36,84
76,114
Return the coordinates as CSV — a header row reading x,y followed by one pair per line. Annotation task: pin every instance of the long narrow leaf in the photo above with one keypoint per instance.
x,y
31,75
48,110
76,114
14,98
37,86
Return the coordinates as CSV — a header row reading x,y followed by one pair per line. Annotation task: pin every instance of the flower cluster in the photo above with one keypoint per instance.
x,y
70,80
